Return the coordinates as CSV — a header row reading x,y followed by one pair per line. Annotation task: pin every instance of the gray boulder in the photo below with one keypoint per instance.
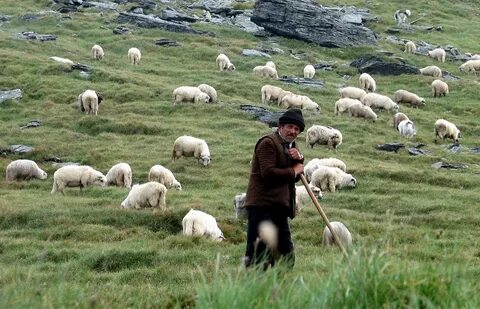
x,y
374,65
10,95
255,53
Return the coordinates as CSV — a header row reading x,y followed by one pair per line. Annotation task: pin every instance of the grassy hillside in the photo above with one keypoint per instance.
x,y
415,228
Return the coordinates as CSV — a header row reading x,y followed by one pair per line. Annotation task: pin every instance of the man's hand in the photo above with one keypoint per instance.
x,y
298,168
295,154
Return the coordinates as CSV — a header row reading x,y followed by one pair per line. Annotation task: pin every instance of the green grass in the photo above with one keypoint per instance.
x,y
415,229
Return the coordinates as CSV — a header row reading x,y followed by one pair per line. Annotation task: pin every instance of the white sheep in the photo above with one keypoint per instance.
x,y
212,93
89,101
302,197
62,60
445,129
475,57
323,136
189,94
273,94
438,53
134,55
164,176
148,195
120,175
271,64
397,118
308,71
199,223
291,100
470,66
357,109
340,231
265,71
76,176
400,16
331,179
352,93
431,70
404,96
24,170
342,105
379,101
97,52
315,163
189,146
407,128
367,82
224,64
439,88
410,47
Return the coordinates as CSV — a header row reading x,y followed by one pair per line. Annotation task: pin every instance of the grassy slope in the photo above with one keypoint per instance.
x,y
81,249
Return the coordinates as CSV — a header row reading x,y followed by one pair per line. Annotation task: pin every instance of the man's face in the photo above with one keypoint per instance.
x,y
289,131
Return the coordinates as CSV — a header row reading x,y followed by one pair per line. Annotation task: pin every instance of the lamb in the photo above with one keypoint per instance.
x,y
273,94
299,101
400,16
315,163
271,64
379,101
407,128
24,170
431,70
76,176
470,66
62,60
352,93
224,64
164,176
189,94
120,175
357,109
239,206
439,88
309,71
367,82
438,53
340,231
445,129
397,118
151,194
199,223
212,93
302,197
404,96
410,47
189,146
97,52
265,71
323,136
89,101
331,179
134,55
342,105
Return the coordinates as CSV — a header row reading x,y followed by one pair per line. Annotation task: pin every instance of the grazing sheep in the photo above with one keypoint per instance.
x,y
342,105
76,176
445,129
273,94
62,60
271,64
475,57
199,223
431,70
315,163
410,47
239,206
189,94
97,52
134,55
400,16
438,53
470,66
340,231
323,136
439,88
24,170
265,71
89,101
397,118
302,197
367,82
357,109
308,71
164,176
407,128
379,101
352,93
120,175
224,64
151,194
331,178
299,101
212,93
189,146
404,96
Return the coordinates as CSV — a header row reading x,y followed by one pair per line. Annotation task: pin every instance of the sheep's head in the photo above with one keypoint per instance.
x,y
316,191
177,186
205,160
217,235
352,182
100,97
231,67
395,107
99,179
42,175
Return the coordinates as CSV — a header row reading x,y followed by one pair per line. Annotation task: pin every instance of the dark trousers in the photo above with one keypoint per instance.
x,y
257,252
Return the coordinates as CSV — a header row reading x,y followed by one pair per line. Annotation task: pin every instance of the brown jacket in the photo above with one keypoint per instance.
x,y
272,178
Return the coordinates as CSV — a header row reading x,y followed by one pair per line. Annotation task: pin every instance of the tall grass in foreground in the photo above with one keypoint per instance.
x,y
368,279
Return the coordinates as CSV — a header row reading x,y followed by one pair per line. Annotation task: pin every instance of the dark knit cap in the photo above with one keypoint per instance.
x,y
294,116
